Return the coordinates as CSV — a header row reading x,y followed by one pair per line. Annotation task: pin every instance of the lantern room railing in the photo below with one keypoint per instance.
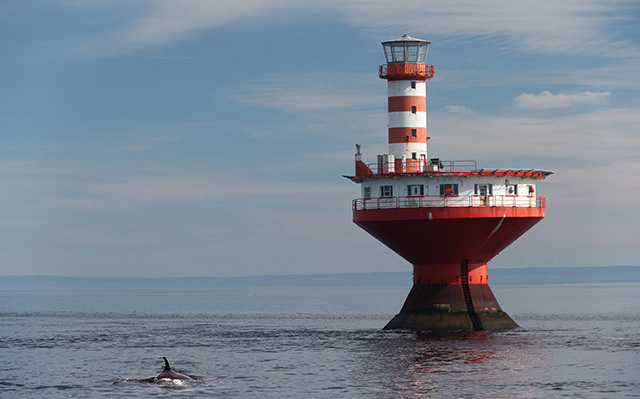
x,y
403,70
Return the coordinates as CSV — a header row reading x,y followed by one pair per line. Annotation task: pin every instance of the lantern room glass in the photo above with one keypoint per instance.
x,y
422,52
398,53
410,52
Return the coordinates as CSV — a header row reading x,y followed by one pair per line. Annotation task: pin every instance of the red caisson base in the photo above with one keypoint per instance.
x,y
449,249
462,303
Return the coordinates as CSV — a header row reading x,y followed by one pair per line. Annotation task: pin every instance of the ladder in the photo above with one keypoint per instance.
x,y
464,283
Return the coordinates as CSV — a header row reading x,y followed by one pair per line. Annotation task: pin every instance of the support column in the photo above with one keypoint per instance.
x,y
437,301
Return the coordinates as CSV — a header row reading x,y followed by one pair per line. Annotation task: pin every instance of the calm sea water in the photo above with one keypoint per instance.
x,y
576,341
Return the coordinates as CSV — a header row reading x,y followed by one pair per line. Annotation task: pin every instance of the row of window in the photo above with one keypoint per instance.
x,y
406,52
413,189
445,189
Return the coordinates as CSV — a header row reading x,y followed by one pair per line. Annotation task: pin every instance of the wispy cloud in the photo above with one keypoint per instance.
x,y
309,93
146,144
133,147
86,186
544,26
459,109
581,137
547,100
160,22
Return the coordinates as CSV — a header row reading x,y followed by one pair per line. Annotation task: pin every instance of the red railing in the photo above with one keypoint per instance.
x,y
439,201
402,70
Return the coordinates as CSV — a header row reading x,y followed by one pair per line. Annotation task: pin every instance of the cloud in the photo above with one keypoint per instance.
x,y
579,26
160,22
459,109
133,148
82,219
309,93
588,136
575,213
145,144
617,176
546,100
84,186
541,27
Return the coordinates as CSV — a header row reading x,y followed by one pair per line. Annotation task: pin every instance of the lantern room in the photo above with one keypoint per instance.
x,y
406,57
406,49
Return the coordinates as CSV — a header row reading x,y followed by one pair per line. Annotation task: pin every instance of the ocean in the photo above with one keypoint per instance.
x,y
575,341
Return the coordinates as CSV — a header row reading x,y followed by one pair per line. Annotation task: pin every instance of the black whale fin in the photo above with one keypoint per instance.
x,y
166,364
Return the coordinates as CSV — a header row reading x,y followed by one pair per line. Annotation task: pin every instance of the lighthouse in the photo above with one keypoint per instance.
x,y
447,218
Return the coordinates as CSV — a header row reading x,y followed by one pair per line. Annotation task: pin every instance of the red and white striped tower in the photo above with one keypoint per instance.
x,y
406,74
446,217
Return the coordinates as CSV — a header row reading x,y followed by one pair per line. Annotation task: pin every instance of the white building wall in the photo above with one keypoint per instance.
x,y
466,185
396,88
407,119
400,149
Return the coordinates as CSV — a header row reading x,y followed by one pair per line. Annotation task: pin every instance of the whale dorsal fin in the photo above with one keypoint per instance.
x,y
166,364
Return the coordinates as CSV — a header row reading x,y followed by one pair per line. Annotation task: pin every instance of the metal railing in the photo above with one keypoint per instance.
x,y
440,201
418,166
402,69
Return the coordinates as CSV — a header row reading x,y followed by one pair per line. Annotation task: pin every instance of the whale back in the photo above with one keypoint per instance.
x,y
167,373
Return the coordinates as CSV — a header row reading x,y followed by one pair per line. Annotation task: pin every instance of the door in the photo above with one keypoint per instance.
x,y
482,192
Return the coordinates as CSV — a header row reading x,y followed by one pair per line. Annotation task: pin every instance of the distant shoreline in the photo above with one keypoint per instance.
x,y
497,276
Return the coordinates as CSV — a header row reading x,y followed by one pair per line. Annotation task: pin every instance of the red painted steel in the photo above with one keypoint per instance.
x,y
456,168
404,135
362,169
404,103
446,235
448,273
404,71
410,165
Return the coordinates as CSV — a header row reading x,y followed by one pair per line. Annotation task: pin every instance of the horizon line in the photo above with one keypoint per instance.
x,y
299,274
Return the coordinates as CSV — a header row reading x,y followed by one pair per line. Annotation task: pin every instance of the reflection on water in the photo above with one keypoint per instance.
x,y
489,364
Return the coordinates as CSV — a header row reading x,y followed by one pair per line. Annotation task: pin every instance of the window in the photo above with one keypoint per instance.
x,y
388,53
414,132
413,84
386,191
415,189
422,52
412,53
413,109
448,189
483,189
367,192
414,155
512,189
398,53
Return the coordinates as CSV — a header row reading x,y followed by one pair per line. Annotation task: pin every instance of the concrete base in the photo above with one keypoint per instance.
x,y
442,307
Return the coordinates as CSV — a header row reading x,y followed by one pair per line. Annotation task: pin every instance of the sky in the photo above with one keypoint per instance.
x,y
164,138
